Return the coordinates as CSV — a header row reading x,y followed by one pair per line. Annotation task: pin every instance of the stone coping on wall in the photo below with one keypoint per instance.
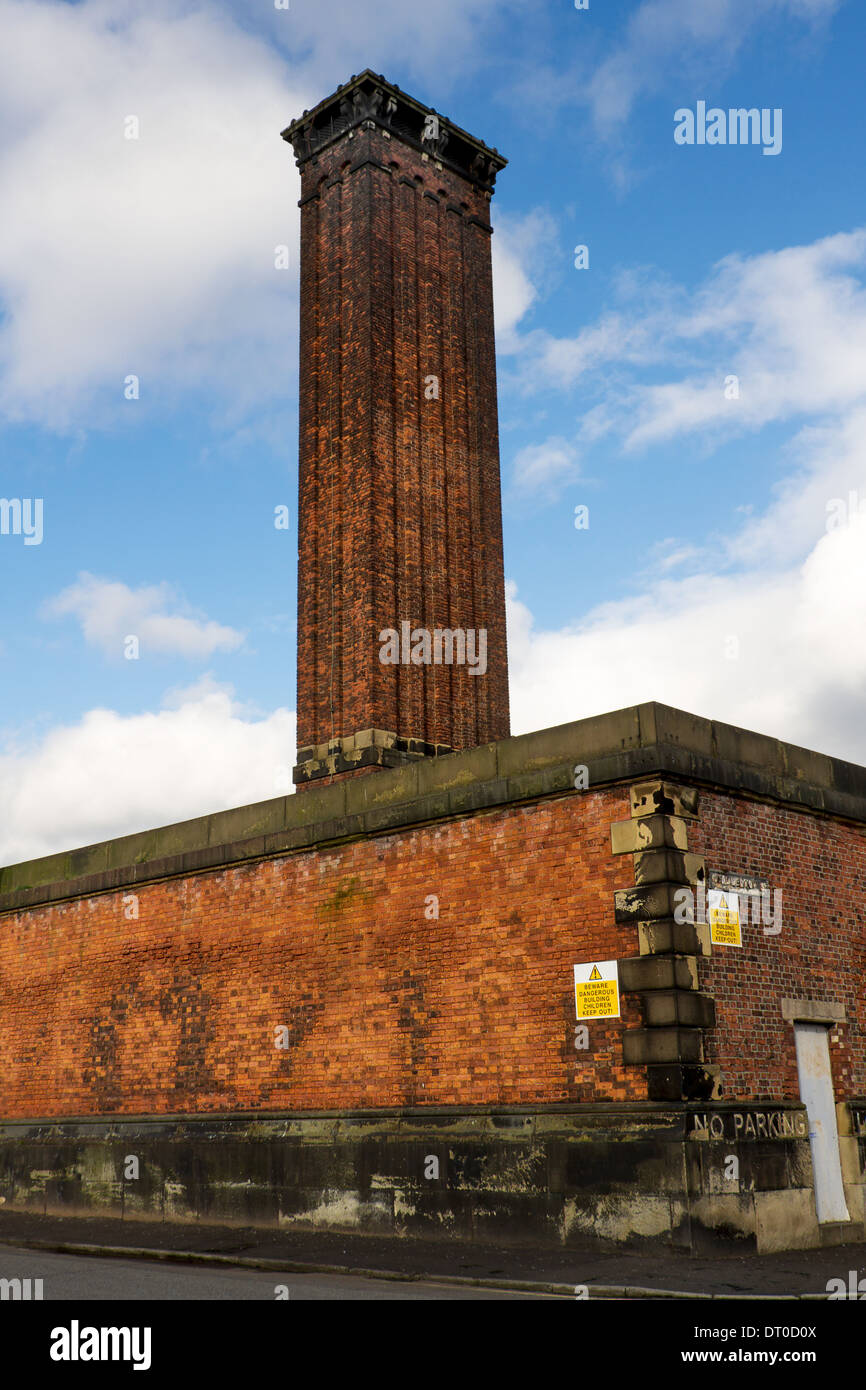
x,y
620,747
675,1115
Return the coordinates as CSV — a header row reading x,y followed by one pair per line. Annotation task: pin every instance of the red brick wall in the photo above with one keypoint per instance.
x,y
820,953
176,1011
399,496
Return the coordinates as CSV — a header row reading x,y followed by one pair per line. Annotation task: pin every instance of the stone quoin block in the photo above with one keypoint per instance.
x,y
668,865
673,1044
665,937
649,832
667,1008
650,901
666,798
651,972
679,1081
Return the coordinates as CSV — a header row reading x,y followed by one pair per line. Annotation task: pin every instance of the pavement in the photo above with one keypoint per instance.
x,y
606,1271
78,1278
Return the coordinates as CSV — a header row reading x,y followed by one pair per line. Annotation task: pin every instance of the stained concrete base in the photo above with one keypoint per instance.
x,y
556,1177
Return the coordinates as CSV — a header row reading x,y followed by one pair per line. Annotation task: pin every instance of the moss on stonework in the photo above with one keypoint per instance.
x,y
349,891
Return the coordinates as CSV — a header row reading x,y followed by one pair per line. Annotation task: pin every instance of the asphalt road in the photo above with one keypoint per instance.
x,y
69,1278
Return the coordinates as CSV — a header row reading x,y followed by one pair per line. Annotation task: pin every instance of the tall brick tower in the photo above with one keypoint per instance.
x,y
401,598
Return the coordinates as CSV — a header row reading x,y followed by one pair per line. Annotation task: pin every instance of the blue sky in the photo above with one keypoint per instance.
x,y
723,567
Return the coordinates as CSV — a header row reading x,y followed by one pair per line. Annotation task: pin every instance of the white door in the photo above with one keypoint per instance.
x,y
816,1092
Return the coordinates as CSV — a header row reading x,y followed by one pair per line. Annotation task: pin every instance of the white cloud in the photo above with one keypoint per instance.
x,y
110,774
669,553
789,589
780,652
542,469
437,43
522,247
109,612
152,256
557,363
789,324
667,40
155,256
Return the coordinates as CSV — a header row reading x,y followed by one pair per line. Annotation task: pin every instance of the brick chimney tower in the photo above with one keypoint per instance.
x,y
401,595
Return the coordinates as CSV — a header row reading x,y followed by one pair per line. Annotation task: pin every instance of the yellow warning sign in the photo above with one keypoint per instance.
x,y
723,914
596,990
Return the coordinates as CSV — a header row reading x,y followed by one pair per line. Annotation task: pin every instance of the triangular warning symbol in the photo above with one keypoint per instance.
x,y
596,975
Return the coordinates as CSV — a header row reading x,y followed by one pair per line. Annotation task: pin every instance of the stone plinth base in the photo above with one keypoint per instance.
x,y
612,1173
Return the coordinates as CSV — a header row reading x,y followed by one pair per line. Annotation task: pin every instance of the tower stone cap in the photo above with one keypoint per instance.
x,y
368,97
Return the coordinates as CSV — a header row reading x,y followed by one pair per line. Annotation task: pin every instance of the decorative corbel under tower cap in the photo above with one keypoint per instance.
x,y
401,593
369,97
